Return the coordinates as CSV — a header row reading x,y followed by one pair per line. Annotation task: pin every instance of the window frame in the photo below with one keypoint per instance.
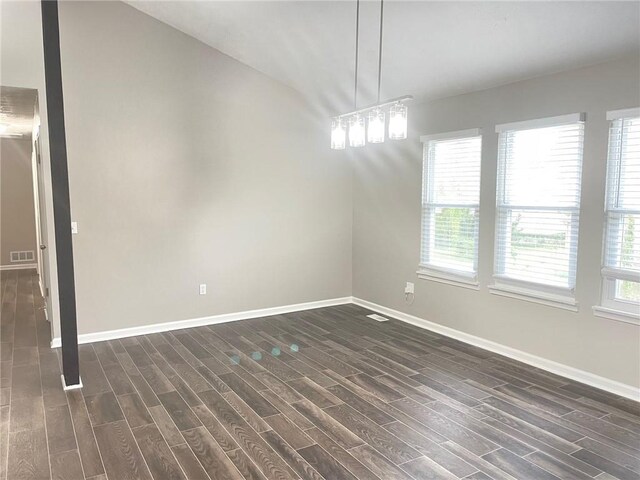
x,y
438,273
610,306
536,292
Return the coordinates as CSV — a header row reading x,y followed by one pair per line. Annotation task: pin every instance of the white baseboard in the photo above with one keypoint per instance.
x,y
70,387
571,373
19,266
198,322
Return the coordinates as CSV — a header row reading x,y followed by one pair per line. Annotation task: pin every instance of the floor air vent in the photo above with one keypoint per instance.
x,y
26,256
378,318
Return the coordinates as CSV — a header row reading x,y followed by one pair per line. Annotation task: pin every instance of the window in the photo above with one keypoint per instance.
x,y
538,205
621,258
450,203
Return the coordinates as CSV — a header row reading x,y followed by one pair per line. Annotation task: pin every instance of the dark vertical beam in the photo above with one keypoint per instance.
x,y
60,188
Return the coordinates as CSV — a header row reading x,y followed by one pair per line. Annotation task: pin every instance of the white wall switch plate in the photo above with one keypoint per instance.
x,y
409,288
203,289
74,227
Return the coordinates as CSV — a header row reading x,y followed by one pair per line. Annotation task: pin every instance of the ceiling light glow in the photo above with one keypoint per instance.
x,y
375,134
398,122
338,134
356,131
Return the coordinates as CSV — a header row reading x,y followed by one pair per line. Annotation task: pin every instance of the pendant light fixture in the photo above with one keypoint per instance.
x,y
356,131
398,121
338,134
375,114
375,134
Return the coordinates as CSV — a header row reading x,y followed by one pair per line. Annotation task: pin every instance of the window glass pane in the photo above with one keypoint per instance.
x,y
453,232
623,241
622,232
455,171
451,196
543,167
537,246
538,196
627,291
627,150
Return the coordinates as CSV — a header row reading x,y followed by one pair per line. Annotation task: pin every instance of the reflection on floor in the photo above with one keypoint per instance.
x,y
326,393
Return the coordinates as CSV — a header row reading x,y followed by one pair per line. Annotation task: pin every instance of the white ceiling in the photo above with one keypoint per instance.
x,y
431,49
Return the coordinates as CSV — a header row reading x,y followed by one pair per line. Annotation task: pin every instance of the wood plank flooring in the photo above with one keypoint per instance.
x,y
321,394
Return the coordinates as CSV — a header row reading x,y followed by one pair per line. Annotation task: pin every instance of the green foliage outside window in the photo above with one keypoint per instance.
x,y
455,233
629,290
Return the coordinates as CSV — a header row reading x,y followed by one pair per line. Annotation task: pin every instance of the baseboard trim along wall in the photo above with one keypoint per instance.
x,y
571,373
566,371
202,321
20,266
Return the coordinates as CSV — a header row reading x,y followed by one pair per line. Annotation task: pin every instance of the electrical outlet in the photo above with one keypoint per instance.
x,y
408,288
74,227
203,289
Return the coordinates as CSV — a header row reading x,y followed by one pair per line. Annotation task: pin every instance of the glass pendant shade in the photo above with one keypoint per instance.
x,y
398,121
375,133
356,131
338,134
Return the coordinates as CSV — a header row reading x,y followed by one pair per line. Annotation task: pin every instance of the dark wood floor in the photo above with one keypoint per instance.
x,y
325,393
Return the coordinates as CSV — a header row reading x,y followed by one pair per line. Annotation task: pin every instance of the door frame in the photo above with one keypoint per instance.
x,y
40,216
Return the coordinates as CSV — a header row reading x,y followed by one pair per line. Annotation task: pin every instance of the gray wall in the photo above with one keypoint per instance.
x,y
17,214
387,203
188,167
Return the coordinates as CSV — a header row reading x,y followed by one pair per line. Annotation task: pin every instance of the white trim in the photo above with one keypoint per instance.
x,y
614,306
472,132
71,387
21,266
619,315
449,277
566,371
572,373
609,300
623,113
535,296
198,322
620,274
541,122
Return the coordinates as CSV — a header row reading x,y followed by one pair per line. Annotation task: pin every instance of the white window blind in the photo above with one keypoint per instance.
x,y
450,203
538,204
621,259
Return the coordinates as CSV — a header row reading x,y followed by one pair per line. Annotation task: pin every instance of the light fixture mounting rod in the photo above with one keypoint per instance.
x,y
380,48
355,89
404,98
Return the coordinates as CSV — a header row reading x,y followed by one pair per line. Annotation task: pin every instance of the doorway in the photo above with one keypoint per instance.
x,y
23,223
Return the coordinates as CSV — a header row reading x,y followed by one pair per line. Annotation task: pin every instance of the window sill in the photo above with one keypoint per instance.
x,y
534,296
449,278
618,315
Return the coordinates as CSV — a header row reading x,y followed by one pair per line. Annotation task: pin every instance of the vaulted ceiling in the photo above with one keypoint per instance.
x,y
431,49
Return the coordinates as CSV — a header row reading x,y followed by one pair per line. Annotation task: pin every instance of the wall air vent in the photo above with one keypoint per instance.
x,y
26,256
378,318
